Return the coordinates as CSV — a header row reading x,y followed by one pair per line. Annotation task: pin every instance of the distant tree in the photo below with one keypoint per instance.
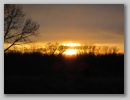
x,y
62,49
52,48
16,27
105,49
113,50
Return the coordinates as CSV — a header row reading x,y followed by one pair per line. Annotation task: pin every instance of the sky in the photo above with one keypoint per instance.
x,y
83,23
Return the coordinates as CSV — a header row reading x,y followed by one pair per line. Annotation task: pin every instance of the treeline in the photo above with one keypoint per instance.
x,y
88,65
57,48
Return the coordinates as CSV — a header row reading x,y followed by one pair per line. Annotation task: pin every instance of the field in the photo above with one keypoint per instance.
x,y
34,73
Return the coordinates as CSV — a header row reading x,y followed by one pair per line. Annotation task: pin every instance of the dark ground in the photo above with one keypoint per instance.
x,y
50,74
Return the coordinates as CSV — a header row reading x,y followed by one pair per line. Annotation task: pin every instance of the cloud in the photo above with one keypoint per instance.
x,y
98,23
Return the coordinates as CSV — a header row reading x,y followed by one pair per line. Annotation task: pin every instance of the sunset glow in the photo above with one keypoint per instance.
x,y
63,48
70,52
81,24
71,44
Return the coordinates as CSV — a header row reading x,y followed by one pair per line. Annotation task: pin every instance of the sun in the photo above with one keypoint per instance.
x,y
72,48
71,52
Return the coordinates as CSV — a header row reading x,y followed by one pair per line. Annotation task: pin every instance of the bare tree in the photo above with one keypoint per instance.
x,y
105,49
52,48
113,50
16,27
62,49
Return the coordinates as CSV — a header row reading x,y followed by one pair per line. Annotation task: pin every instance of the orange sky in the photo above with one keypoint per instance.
x,y
98,24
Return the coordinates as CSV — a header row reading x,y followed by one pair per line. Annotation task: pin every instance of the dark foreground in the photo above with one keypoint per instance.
x,y
44,74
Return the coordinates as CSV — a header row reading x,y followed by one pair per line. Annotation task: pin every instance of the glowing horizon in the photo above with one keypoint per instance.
x,y
73,48
77,24
71,44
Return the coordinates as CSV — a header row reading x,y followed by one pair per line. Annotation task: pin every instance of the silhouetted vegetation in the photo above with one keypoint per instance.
x,y
42,73
59,48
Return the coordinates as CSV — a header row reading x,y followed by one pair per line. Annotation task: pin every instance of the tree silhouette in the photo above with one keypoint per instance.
x,y
16,27
52,48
